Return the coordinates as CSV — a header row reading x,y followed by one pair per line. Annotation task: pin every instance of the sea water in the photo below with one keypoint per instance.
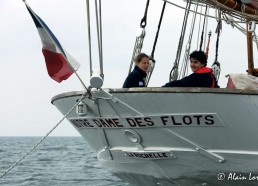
x,y
58,161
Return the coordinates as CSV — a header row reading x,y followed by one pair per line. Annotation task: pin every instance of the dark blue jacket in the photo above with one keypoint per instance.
x,y
135,78
201,78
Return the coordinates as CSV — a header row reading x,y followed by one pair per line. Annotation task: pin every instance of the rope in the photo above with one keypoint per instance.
x,y
216,65
218,29
144,19
204,22
208,45
24,156
199,28
206,29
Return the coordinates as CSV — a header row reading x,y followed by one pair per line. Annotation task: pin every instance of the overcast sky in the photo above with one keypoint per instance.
x,y
26,88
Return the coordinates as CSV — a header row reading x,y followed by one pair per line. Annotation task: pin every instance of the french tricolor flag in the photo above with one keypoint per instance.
x,y
60,65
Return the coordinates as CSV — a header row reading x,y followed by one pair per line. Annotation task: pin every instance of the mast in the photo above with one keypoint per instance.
x,y
249,48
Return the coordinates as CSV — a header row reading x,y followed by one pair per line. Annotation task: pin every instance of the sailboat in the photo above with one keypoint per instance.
x,y
174,136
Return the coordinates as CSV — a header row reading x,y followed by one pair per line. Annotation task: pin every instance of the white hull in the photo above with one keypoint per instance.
x,y
165,136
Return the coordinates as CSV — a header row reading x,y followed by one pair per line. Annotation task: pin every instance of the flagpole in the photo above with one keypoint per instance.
x,y
81,81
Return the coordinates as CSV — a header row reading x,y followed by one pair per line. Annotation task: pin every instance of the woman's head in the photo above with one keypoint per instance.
x,y
142,60
198,60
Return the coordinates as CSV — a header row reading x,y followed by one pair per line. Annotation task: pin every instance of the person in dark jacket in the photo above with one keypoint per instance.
x,y
201,77
136,78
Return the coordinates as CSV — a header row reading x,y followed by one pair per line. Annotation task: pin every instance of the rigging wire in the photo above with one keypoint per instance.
x,y
99,34
229,20
43,138
185,63
154,46
226,10
89,34
174,71
204,29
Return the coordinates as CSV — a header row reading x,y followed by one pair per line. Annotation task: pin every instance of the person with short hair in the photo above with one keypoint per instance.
x,y
136,78
202,76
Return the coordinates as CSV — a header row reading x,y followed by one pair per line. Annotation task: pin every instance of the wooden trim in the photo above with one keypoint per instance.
x,y
233,4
